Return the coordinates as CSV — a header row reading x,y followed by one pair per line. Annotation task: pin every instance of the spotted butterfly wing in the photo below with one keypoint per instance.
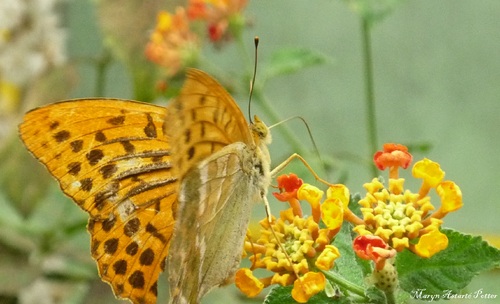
x,y
113,159
223,165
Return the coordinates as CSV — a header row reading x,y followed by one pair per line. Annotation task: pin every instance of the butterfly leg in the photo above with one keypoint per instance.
x,y
287,161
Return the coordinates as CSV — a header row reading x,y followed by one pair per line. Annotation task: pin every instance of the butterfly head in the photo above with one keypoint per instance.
x,y
260,132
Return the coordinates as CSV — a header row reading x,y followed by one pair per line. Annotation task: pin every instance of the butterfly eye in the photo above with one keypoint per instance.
x,y
260,129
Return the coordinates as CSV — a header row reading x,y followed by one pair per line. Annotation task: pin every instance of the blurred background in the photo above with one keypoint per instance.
x,y
436,72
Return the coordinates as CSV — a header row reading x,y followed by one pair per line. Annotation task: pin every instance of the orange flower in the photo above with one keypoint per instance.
x,y
288,186
370,247
223,17
172,45
393,156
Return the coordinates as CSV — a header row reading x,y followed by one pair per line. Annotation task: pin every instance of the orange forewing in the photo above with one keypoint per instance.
x,y
113,159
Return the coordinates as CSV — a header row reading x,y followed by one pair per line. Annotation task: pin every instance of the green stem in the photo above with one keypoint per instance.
x,y
390,296
143,75
340,281
101,66
369,91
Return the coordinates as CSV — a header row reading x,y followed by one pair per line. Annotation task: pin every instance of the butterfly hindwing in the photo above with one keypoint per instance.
x,y
215,204
112,158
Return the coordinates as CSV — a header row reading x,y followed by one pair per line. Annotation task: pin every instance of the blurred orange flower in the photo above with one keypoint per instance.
x,y
172,44
223,17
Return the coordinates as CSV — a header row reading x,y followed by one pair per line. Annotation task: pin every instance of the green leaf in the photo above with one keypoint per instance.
x,y
291,60
451,269
376,295
283,295
347,264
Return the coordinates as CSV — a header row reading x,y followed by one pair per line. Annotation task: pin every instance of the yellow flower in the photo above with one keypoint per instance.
x,y
430,172
307,286
313,196
327,257
431,243
247,282
402,218
294,247
310,193
332,213
451,196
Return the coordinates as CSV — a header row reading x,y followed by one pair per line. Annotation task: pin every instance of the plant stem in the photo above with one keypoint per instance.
x,y
369,90
391,299
340,281
101,66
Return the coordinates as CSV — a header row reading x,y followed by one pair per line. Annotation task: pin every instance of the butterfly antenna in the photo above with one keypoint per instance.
x,y
252,83
315,147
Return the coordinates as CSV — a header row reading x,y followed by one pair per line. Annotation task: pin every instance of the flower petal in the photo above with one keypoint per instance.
x,y
431,243
327,257
288,185
332,213
371,247
307,286
451,196
247,282
339,191
393,155
429,171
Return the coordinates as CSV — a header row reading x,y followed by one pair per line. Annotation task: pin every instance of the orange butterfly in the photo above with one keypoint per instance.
x,y
139,169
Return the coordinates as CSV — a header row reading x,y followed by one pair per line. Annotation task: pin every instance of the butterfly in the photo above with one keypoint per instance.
x,y
178,181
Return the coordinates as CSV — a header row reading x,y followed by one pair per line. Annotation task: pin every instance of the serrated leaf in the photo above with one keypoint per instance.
x,y
291,60
280,294
347,264
451,269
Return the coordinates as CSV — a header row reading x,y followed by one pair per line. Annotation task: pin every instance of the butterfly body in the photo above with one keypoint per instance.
x,y
216,194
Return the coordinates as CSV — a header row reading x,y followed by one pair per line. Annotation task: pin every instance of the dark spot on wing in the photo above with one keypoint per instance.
x,y
94,156
74,168
86,184
61,136
76,145
111,245
117,120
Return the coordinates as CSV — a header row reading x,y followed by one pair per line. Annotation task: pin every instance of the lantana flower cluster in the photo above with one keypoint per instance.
x,y
395,218
295,247
298,250
175,43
